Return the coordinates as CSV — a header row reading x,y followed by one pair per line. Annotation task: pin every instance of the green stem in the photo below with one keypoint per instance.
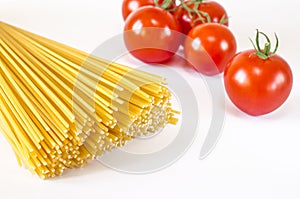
x,y
200,15
165,4
257,40
223,20
266,52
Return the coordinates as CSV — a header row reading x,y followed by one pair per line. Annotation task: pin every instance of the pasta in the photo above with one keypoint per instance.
x,y
61,107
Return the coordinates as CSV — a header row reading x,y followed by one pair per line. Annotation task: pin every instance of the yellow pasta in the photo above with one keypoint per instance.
x,y
61,107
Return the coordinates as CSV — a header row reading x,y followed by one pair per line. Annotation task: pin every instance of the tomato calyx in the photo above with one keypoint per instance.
x,y
195,12
192,8
223,20
266,52
165,5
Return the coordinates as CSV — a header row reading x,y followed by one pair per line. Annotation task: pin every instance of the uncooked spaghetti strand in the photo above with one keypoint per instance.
x,y
17,109
25,96
11,137
10,119
50,43
53,60
75,66
12,67
105,93
132,73
44,132
111,103
27,122
114,79
65,73
24,63
31,109
84,56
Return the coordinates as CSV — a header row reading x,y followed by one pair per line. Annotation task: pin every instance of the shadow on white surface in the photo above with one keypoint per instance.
x,y
91,169
289,110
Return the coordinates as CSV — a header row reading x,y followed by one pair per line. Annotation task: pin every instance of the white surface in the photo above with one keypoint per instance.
x,y
255,158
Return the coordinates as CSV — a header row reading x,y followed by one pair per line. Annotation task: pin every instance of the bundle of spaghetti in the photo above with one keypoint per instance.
x,y
61,107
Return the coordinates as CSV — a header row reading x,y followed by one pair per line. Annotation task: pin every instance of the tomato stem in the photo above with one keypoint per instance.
x,y
266,52
200,15
223,20
165,4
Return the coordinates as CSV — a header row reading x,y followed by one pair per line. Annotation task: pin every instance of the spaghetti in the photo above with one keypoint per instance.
x,y
61,107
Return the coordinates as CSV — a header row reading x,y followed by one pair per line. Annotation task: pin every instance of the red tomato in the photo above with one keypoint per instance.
x,y
257,86
129,6
152,34
188,20
209,47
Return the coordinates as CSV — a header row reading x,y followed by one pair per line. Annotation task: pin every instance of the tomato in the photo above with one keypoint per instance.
x,y
129,6
188,20
209,47
152,34
257,86
258,81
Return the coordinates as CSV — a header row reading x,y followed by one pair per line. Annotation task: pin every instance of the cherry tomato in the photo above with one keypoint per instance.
x,y
257,86
209,47
152,34
187,20
129,6
258,83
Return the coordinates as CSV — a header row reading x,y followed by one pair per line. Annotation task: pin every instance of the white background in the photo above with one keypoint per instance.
x,y
255,157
